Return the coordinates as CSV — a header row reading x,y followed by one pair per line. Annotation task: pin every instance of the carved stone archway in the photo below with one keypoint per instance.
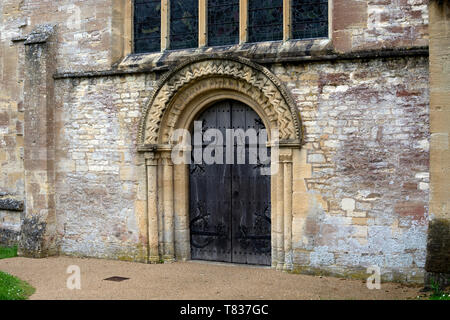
x,y
179,96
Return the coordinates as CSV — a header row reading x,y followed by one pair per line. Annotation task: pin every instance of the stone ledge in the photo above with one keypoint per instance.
x,y
9,204
40,34
259,51
160,62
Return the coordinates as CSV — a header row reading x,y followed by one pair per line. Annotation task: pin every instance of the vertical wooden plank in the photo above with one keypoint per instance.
x,y
210,205
287,16
202,22
240,194
251,199
243,20
165,24
233,195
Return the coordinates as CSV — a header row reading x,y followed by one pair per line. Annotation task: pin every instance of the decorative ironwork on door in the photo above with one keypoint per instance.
x,y
230,203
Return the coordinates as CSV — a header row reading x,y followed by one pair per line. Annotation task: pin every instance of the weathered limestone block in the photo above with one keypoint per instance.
x,y
8,237
438,244
38,236
11,204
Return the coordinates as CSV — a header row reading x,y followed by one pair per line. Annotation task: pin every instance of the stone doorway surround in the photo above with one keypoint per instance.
x,y
178,98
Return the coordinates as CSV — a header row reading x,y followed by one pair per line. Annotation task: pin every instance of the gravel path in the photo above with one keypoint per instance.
x,y
187,280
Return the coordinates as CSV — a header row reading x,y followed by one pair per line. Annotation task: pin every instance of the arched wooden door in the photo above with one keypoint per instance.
x,y
230,203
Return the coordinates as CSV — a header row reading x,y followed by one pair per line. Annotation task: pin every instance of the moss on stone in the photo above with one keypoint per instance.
x,y
360,274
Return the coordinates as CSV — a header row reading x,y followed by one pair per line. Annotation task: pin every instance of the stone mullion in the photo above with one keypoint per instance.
x,y
165,24
122,28
129,30
202,22
152,208
243,21
287,18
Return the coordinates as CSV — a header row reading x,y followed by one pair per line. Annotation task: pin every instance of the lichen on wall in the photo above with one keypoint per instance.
x,y
99,194
366,128
361,189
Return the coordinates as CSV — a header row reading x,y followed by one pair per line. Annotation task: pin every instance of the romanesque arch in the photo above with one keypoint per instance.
x,y
179,96
199,77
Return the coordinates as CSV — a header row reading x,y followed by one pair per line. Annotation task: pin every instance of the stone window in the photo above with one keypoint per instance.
x,y
309,19
265,20
147,25
182,24
223,22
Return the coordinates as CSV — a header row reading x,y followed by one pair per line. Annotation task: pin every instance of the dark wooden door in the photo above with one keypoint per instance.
x,y
230,203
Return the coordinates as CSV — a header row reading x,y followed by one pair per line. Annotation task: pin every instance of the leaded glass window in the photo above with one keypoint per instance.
x,y
309,19
223,22
183,24
147,26
265,20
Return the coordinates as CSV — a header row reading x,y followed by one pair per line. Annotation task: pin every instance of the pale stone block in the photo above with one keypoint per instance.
x,y
357,214
423,176
66,165
332,143
341,88
127,173
424,186
348,204
316,158
360,231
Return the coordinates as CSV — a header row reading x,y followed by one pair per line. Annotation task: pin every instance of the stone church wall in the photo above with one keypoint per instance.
x,y
362,193
366,164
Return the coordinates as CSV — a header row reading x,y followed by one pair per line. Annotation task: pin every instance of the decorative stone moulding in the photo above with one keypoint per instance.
x,y
197,77
179,97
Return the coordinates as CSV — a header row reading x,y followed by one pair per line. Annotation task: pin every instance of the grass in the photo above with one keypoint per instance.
x,y
12,288
8,252
438,293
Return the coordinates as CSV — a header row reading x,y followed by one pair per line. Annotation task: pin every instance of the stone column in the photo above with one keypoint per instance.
x,y
274,213
38,233
152,207
438,249
286,159
168,207
181,205
280,216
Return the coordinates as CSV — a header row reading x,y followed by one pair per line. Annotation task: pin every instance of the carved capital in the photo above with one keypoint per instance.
x,y
285,158
151,159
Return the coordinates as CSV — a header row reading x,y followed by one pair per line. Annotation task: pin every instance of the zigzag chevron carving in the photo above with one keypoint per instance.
x,y
205,74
